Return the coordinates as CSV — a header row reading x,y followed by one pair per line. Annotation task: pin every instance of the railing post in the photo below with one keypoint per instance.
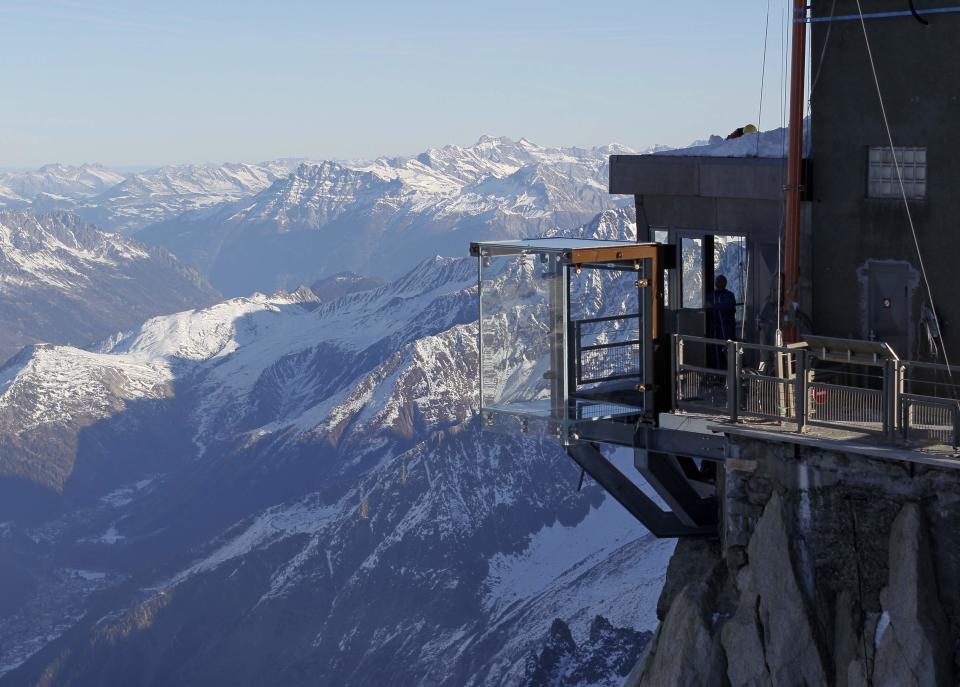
x,y
904,420
903,407
676,360
891,380
802,393
733,379
576,352
956,425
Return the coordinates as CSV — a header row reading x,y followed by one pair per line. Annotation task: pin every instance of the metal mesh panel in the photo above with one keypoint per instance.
x,y
768,396
608,362
590,410
699,389
846,407
931,422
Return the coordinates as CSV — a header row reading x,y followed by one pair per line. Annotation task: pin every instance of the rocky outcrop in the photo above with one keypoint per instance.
x,y
687,631
912,638
772,594
831,569
605,657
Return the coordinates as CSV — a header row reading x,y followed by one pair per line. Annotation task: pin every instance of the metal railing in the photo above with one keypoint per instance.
x,y
929,404
607,360
797,387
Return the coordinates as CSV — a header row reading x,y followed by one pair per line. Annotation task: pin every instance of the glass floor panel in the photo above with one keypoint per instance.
x,y
580,410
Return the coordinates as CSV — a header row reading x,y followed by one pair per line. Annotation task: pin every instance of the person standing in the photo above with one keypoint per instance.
x,y
724,310
724,306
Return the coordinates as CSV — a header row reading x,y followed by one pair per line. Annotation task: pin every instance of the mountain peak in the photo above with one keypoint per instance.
x,y
488,140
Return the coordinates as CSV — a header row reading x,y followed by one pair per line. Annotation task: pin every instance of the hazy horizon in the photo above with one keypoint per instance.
x,y
189,83
139,168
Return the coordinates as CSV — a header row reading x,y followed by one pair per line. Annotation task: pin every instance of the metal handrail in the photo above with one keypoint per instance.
x,y
609,318
881,407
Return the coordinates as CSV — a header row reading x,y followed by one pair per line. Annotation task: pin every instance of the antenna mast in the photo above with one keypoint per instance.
x,y
791,295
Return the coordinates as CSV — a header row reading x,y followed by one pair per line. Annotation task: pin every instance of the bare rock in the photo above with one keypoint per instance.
x,y
846,636
742,639
793,654
860,669
692,560
913,648
688,652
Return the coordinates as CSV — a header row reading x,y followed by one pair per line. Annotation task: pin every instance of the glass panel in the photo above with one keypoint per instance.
x,y
605,320
606,335
558,345
691,277
518,334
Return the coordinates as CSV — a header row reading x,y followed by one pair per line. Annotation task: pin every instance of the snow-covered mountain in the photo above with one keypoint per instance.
x,y
55,184
380,218
159,194
63,281
280,490
127,202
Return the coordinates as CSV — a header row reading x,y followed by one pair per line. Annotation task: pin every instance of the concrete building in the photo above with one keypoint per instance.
x,y
860,272
866,274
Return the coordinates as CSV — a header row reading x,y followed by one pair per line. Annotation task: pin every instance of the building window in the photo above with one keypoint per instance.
x,y
882,181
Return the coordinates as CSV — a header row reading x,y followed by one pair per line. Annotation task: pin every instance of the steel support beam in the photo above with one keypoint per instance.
x,y
661,523
706,446
679,443
663,472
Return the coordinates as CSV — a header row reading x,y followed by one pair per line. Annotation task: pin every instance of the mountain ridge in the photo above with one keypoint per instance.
x,y
63,281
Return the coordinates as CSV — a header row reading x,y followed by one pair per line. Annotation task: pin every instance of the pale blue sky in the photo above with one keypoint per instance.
x,y
142,83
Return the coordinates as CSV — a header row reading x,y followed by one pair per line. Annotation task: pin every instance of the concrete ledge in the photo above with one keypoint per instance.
x,y
856,446
708,177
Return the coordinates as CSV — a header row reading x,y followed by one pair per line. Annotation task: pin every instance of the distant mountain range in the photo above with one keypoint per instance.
x,y
63,281
381,218
127,202
283,223
55,183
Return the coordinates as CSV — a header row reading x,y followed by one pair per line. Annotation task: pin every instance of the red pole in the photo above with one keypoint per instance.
x,y
791,250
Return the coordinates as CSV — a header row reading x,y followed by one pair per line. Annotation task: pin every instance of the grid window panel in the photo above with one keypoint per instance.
x,y
882,181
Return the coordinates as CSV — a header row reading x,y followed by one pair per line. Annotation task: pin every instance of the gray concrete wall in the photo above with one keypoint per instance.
x,y
919,73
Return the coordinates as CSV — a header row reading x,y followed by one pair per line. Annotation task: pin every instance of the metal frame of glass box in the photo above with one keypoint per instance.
x,y
570,334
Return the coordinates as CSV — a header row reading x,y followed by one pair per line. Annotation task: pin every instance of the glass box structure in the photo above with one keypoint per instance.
x,y
569,333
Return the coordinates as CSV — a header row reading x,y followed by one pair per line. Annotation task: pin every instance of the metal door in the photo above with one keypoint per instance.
x,y
888,303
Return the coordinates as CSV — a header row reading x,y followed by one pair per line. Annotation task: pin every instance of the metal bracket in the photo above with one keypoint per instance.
x,y
714,447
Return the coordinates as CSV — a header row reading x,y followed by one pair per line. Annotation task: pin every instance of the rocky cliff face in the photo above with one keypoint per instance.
x,y
831,569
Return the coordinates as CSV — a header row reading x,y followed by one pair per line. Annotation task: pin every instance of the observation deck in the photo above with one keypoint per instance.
x,y
573,345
